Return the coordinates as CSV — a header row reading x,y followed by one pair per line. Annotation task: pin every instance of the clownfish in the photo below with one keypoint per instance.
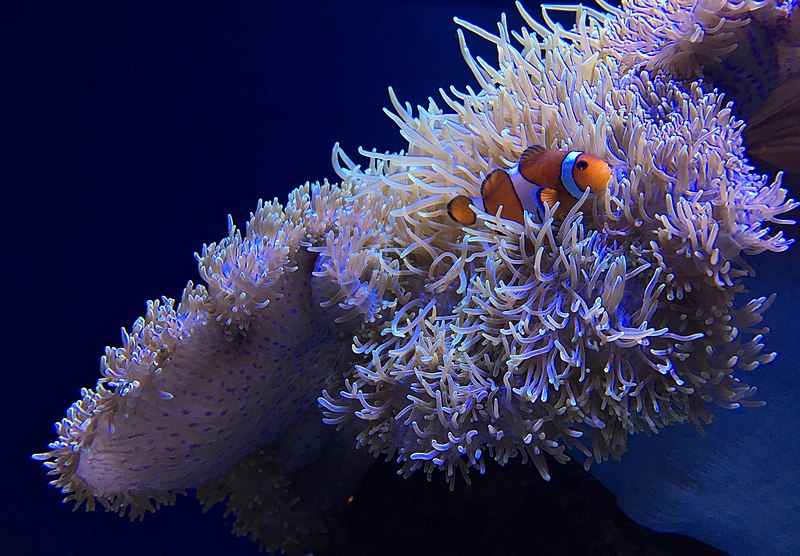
x,y
542,176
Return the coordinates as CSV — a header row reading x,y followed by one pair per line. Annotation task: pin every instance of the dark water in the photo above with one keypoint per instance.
x,y
130,131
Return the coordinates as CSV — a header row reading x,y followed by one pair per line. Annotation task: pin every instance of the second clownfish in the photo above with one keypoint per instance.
x,y
543,176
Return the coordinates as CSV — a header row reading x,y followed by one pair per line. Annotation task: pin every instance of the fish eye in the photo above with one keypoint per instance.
x,y
582,165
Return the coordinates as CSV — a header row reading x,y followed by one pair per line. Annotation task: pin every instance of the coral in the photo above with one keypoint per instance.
x,y
749,49
233,369
689,38
440,345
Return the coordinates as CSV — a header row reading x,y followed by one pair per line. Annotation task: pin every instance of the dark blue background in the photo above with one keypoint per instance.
x,y
130,130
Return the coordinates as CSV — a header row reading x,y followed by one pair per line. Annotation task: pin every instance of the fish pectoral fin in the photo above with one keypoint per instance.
x,y
461,210
548,196
498,189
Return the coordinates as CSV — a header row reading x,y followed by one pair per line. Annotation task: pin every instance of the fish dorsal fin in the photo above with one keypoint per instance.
x,y
498,189
460,209
531,154
541,166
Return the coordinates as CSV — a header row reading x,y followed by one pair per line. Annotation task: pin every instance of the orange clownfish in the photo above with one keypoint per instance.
x,y
542,176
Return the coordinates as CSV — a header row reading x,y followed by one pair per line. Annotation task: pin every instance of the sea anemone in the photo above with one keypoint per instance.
x,y
575,333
